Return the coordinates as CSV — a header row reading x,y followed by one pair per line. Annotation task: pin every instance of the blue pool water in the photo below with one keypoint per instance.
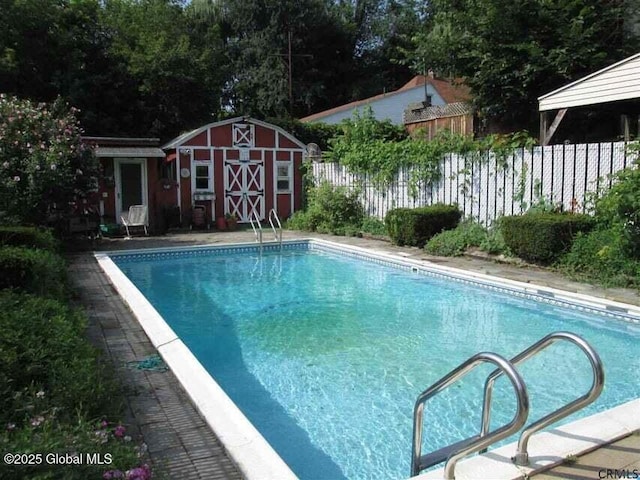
x,y
326,354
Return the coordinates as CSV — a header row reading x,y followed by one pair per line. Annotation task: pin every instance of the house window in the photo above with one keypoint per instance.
x,y
283,177
202,177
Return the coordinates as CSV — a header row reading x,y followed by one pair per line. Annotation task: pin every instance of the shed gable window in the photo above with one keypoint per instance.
x,y
202,177
283,177
243,135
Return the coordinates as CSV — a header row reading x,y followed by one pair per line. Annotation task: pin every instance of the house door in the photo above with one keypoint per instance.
x,y
244,188
131,184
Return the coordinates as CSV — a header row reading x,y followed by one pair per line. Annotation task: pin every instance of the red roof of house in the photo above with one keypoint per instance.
x,y
451,91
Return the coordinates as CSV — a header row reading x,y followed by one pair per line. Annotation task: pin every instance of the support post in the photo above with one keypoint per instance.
x,y
545,135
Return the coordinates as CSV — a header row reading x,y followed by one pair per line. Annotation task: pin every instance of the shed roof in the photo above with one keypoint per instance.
x,y
181,139
620,81
450,91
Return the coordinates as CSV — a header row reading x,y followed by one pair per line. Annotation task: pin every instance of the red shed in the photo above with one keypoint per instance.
x,y
238,166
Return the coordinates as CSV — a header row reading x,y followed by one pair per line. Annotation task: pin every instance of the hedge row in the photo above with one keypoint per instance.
x,y
42,348
415,226
34,271
31,237
55,393
543,237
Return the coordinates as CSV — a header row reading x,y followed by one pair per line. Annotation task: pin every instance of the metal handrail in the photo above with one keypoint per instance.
x,y
256,231
522,455
273,214
473,444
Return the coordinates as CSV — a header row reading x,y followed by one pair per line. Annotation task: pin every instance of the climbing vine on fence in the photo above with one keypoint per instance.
x,y
382,150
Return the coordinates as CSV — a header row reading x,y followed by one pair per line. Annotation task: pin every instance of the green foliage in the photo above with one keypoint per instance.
x,y
467,234
316,132
620,208
382,150
48,435
542,237
18,236
374,226
509,53
494,243
414,227
43,163
34,271
330,210
174,67
43,349
451,243
53,384
601,256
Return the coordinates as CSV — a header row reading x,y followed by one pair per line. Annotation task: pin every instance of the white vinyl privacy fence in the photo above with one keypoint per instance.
x,y
486,187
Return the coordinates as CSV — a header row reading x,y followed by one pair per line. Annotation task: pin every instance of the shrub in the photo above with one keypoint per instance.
x,y
330,210
455,242
415,226
620,206
43,162
34,271
31,237
600,256
542,237
42,349
374,226
494,243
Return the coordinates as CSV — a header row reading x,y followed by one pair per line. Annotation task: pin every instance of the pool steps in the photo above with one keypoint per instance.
x,y
274,221
479,443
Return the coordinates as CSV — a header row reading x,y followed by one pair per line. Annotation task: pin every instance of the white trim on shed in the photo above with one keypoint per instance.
x,y
620,81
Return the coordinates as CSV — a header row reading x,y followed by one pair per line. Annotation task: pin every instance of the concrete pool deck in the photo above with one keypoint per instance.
x,y
176,435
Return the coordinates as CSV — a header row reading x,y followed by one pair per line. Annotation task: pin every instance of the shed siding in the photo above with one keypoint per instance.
x,y
621,82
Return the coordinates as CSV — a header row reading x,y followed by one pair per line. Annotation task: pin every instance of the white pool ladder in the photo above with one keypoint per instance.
x,y
274,221
479,443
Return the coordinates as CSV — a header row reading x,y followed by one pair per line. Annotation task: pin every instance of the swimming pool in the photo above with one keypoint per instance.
x,y
326,353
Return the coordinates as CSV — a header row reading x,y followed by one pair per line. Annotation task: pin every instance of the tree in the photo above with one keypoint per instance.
x,y
172,61
509,53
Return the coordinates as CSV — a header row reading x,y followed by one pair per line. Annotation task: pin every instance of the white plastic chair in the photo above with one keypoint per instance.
x,y
137,217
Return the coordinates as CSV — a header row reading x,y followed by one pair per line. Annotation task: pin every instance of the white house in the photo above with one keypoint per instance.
x,y
391,105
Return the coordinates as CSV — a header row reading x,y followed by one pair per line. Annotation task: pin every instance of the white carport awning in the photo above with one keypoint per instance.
x,y
620,81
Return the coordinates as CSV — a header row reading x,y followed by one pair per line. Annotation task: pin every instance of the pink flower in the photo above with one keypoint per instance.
x,y
36,421
119,431
16,178
104,424
139,473
111,474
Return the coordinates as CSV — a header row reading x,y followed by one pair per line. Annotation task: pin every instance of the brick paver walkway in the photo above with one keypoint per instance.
x,y
180,444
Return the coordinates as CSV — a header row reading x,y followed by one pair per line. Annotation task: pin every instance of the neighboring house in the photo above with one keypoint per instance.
x,y
391,105
613,93
237,166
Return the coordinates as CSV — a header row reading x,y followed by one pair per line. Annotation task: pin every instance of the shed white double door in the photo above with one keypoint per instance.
x,y
244,187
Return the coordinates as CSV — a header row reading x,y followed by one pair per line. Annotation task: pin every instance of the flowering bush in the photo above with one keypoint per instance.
x,y
43,163
118,457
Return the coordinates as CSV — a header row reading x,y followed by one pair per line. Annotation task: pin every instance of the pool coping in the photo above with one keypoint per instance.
x,y
257,460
